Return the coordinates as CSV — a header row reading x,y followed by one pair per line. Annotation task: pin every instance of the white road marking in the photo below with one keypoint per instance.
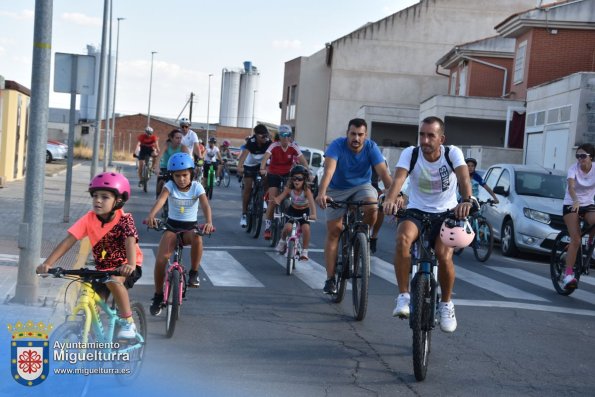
x,y
521,305
310,272
224,270
148,277
494,286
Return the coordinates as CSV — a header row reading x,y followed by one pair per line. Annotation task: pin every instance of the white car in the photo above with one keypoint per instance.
x,y
315,159
55,151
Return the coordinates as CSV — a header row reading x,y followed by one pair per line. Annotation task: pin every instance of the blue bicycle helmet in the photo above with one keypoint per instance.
x,y
180,161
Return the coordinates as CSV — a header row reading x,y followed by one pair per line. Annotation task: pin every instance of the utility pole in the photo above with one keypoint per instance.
x,y
111,152
191,102
107,141
100,85
30,229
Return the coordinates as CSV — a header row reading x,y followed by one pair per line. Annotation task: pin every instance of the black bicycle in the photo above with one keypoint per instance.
x,y
423,288
353,259
483,243
278,221
583,257
255,207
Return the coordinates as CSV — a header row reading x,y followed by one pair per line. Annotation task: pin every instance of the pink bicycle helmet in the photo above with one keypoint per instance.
x,y
226,143
456,233
112,181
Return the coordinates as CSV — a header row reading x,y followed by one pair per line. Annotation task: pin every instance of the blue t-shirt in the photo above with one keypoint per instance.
x,y
353,169
183,206
476,182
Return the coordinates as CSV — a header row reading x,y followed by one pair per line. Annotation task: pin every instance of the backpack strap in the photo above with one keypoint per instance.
x,y
415,155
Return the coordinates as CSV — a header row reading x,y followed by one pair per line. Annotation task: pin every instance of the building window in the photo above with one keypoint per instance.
x,y
291,102
463,81
519,63
85,130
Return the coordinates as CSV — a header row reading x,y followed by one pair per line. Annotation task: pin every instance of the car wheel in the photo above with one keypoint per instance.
x,y
48,156
507,243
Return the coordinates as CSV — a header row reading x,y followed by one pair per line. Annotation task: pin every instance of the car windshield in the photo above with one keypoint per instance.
x,y
540,185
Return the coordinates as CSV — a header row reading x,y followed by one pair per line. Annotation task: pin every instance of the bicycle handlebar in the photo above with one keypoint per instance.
x,y
85,273
344,203
161,226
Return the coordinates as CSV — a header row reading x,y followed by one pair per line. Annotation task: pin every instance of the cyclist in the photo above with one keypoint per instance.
x,y
282,155
432,189
226,156
249,162
212,156
578,200
172,145
149,146
347,176
302,203
183,196
477,180
190,139
114,239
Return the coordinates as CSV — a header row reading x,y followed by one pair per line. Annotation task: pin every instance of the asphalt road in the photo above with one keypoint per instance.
x,y
251,330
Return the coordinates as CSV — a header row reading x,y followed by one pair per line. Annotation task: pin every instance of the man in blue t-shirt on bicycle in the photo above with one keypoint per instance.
x,y
347,176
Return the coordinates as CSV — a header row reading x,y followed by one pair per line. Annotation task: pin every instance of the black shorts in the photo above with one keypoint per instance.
x,y
179,226
145,151
250,171
567,209
129,282
291,211
274,180
437,219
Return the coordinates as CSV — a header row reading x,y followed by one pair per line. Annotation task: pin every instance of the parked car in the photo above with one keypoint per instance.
x,y
315,159
235,154
55,151
529,215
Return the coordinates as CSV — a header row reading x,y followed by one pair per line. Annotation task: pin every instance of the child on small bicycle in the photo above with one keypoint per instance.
x,y
114,239
183,196
302,203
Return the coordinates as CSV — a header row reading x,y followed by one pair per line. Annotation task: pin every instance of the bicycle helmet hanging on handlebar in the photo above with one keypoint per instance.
x,y
456,233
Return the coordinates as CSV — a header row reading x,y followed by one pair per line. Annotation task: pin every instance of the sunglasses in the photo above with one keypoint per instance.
x,y
285,135
582,156
297,178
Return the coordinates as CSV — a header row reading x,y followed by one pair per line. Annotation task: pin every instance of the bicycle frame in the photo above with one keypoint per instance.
x,y
175,264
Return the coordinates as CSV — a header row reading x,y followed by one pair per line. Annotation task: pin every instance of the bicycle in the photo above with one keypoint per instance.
x,y
198,165
583,257
353,260
174,285
483,244
225,175
210,180
164,176
85,326
255,207
147,172
294,244
278,213
423,289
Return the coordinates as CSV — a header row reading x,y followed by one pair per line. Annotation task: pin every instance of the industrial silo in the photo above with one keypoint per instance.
x,y
230,98
248,88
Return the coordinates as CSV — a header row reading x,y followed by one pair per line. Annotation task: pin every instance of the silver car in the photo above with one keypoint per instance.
x,y
529,215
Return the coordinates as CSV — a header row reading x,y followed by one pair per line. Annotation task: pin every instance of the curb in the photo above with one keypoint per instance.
x,y
63,171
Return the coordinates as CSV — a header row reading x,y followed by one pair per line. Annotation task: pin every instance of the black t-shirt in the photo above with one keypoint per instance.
x,y
255,151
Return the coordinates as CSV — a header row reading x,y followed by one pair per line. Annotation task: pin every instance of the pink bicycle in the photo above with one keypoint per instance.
x,y
294,242
174,286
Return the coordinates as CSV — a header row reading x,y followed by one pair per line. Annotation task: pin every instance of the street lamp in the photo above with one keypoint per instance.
x,y
111,151
253,106
150,86
208,105
107,142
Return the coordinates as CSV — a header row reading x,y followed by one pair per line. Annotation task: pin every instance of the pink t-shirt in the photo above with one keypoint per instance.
x,y
108,240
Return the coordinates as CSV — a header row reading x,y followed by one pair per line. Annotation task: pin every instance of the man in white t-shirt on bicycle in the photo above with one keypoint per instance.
x,y
432,189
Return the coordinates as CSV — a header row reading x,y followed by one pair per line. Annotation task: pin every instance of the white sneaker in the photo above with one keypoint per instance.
x,y
243,221
281,246
402,308
448,321
127,331
569,282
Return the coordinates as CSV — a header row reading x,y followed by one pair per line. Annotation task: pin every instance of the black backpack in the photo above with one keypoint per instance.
x,y
415,155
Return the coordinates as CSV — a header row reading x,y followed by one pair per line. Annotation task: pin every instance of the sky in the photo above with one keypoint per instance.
x,y
192,39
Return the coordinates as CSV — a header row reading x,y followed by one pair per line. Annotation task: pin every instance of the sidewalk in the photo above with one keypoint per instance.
x,y
54,231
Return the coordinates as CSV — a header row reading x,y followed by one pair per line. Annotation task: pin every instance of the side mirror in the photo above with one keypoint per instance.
x,y
500,190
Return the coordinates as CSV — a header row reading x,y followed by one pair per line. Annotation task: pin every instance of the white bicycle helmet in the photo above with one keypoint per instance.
x,y
456,233
148,130
184,122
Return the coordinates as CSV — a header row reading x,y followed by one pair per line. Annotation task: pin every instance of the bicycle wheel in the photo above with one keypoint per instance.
x,y
226,178
257,212
483,244
275,230
173,303
290,257
361,275
421,306
136,347
558,263
71,332
342,268
145,177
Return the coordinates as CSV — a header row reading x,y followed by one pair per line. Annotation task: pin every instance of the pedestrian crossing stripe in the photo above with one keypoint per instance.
x,y
223,270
